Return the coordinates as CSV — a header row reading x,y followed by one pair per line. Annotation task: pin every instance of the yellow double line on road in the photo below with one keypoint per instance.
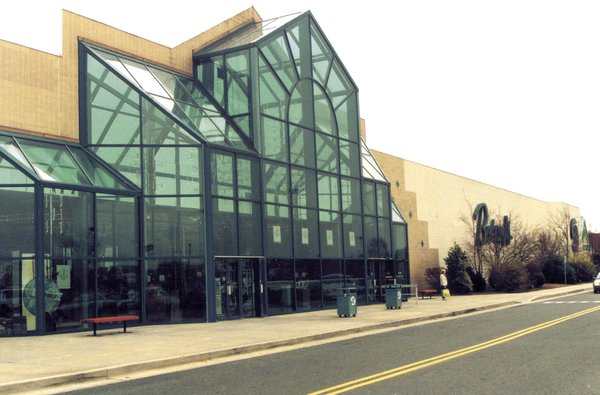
x,y
401,370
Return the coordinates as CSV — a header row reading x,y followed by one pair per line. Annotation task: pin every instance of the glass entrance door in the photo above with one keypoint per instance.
x,y
238,288
380,272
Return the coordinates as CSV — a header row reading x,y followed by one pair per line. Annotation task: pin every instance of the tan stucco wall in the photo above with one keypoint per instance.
x,y
433,201
39,91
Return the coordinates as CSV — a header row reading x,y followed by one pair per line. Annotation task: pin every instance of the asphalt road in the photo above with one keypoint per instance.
x,y
550,347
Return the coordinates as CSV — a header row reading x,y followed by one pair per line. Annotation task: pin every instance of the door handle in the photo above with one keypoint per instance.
x,y
229,290
261,288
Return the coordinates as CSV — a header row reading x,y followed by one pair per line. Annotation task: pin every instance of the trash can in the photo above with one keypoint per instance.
x,y
346,302
393,296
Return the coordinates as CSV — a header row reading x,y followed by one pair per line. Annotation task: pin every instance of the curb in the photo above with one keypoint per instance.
x,y
111,371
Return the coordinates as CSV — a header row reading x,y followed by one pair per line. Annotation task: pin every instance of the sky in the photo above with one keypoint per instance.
x,y
503,92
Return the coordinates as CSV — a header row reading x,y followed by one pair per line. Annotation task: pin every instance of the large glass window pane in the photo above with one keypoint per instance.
x,y
212,74
383,230
114,116
353,236
278,234
9,145
172,170
68,223
221,168
273,97
276,183
302,146
347,119
118,287
383,200
350,193
400,242
321,56
328,192
116,226
159,129
9,174
327,157
126,160
173,226
349,159
355,278
300,110
324,118
308,284
17,307
306,236
237,83
276,53
249,220
369,198
304,191
338,84
225,228
280,286
69,293
333,280
248,180
371,238
275,143
330,230
175,290
17,224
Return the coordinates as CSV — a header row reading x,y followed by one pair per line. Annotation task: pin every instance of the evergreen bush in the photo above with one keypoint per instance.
x,y
477,279
508,278
457,262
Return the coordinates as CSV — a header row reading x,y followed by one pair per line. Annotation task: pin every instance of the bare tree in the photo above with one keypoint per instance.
x,y
560,226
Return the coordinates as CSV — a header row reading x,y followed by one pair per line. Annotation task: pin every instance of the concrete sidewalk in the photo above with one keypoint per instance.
x,y
33,363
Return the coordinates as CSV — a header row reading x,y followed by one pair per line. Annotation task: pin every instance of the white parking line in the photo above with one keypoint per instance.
x,y
572,301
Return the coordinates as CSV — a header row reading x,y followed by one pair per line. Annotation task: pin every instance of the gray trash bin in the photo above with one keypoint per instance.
x,y
393,296
346,302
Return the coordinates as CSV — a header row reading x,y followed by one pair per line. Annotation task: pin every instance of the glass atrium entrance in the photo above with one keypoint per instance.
x,y
239,290
380,272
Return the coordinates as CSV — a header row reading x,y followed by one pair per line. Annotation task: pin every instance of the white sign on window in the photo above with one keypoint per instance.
x,y
329,234
305,236
352,239
276,234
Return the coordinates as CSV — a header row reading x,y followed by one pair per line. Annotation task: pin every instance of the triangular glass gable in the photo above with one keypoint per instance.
x,y
370,168
180,96
396,214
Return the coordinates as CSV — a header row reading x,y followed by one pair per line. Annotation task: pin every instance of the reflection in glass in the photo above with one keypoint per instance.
x,y
308,284
280,285
17,224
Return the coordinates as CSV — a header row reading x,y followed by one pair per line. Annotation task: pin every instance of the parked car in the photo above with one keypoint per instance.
x,y
597,284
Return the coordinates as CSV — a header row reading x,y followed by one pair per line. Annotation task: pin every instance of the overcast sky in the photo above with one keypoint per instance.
x,y
504,92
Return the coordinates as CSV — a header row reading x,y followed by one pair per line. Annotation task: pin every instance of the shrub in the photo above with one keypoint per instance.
x,y
458,280
432,276
554,270
477,279
537,280
583,267
508,278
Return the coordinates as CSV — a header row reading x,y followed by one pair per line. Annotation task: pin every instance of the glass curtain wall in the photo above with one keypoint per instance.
x,y
304,121
157,153
17,250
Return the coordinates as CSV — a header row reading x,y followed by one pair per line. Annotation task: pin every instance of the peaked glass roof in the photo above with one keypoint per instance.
x,y
59,163
180,96
248,34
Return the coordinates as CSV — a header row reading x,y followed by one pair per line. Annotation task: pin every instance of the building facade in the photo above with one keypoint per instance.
x,y
221,179
435,204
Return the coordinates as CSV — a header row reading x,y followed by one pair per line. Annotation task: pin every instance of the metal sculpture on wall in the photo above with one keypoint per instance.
x,y
574,234
492,233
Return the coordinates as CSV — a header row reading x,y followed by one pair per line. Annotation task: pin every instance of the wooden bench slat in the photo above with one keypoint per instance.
x,y
102,320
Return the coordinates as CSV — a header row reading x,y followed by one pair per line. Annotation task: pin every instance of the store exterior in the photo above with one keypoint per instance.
x,y
239,189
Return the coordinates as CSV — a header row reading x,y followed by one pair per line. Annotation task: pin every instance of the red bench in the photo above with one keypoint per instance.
x,y
428,292
106,320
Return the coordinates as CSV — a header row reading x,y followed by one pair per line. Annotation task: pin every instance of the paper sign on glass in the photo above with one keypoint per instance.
x,y
329,234
352,239
276,234
305,236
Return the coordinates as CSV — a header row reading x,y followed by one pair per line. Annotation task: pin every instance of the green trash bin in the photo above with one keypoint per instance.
x,y
346,302
393,296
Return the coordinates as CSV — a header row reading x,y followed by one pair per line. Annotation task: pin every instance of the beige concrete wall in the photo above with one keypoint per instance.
x,y
434,201
39,91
